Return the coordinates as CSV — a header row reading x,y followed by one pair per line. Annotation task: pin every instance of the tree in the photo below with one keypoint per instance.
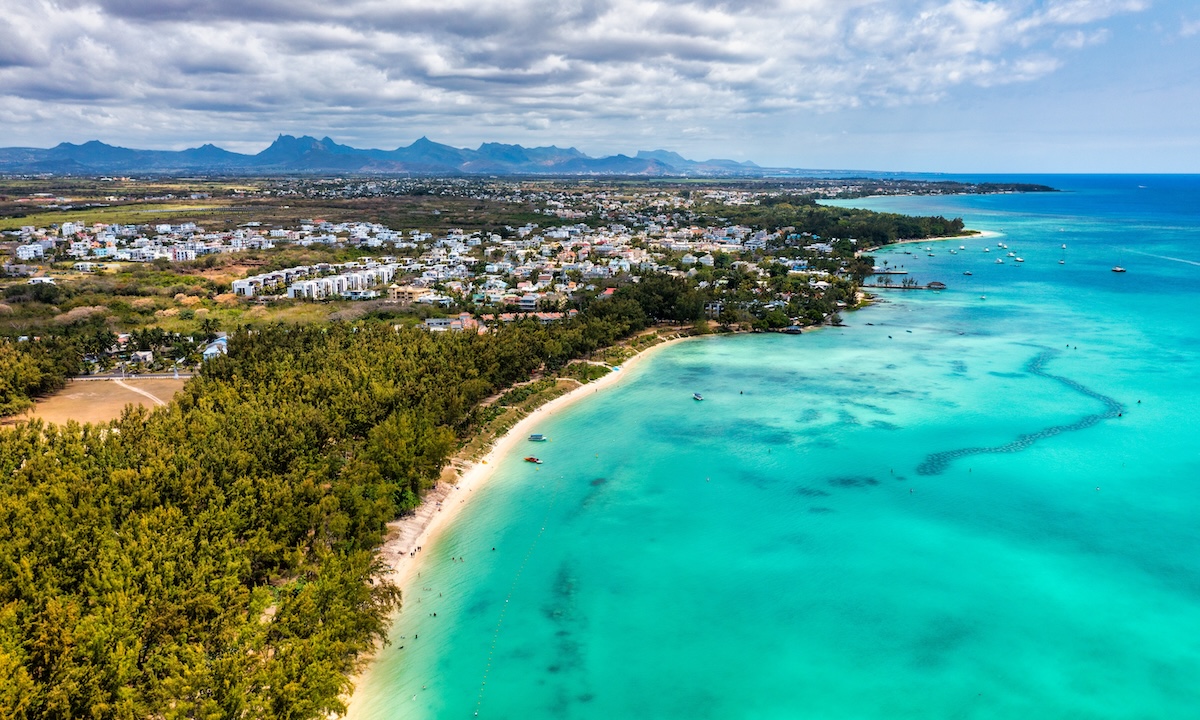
x,y
209,327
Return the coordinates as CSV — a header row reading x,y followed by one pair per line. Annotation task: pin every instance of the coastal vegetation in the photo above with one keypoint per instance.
x,y
803,214
215,558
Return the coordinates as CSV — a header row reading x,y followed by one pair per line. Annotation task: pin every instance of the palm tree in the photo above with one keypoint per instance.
x,y
209,327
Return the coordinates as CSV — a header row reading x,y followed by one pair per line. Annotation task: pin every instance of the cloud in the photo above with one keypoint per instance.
x,y
595,68
1078,39
1188,28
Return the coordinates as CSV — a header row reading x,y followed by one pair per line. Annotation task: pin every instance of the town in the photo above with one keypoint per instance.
x,y
189,283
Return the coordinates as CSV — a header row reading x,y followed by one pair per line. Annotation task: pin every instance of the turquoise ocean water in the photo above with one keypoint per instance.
x,y
953,508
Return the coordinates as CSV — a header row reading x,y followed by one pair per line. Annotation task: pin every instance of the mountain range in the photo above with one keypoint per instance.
x,y
300,155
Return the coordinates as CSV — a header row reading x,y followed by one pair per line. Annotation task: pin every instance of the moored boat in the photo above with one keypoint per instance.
x,y
1118,268
532,459
697,396
537,437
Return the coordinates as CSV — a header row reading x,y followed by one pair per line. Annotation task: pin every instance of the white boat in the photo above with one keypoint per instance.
x,y
962,247
697,396
999,261
1012,254
968,272
1118,268
1020,259
987,249
1062,262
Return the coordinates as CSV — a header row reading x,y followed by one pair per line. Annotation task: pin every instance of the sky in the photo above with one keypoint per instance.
x,y
905,85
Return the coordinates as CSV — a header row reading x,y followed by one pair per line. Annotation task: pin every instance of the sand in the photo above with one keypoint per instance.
x,y
443,504
98,401
975,235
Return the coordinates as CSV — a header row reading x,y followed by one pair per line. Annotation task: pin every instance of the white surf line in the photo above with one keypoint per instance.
x,y
1162,257
140,391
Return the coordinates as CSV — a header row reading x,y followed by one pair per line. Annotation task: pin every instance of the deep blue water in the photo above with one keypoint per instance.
x,y
978,503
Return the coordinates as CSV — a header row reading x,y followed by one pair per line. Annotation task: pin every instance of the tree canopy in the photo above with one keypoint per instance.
x,y
215,558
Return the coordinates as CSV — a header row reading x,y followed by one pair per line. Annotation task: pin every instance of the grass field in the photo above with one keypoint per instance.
x,y
138,214
98,401
225,211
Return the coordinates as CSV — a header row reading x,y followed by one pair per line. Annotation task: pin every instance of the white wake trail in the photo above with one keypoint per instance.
x,y
1163,257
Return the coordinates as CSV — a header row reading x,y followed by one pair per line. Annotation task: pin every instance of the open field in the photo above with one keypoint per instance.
x,y
97,401
131,214
140,202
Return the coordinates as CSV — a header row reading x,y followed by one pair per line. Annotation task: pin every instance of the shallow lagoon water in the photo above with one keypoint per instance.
x,y
785,548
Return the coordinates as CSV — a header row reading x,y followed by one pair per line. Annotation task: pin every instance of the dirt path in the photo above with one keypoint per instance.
x,y
139,391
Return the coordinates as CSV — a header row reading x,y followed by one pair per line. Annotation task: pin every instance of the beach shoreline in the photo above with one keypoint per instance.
x,y
443,504
974,235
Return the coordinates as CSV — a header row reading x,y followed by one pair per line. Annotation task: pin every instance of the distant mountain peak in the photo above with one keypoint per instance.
x,y
307,154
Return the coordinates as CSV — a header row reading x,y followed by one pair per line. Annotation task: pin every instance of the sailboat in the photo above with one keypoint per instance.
x,y
1063,259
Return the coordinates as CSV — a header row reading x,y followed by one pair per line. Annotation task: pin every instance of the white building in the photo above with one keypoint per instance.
x,y
30,252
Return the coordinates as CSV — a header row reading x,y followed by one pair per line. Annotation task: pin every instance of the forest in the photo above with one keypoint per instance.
x,y
32,369
215,558
805,215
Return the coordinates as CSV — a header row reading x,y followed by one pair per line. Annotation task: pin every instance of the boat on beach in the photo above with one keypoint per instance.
x,y
532,459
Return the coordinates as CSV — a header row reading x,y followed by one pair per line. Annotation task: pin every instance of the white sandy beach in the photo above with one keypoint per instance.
x,y
442,504
977,235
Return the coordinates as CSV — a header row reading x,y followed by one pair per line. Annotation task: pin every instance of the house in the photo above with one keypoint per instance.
x,y
33,251
144,357
528,302
407,294
216,348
